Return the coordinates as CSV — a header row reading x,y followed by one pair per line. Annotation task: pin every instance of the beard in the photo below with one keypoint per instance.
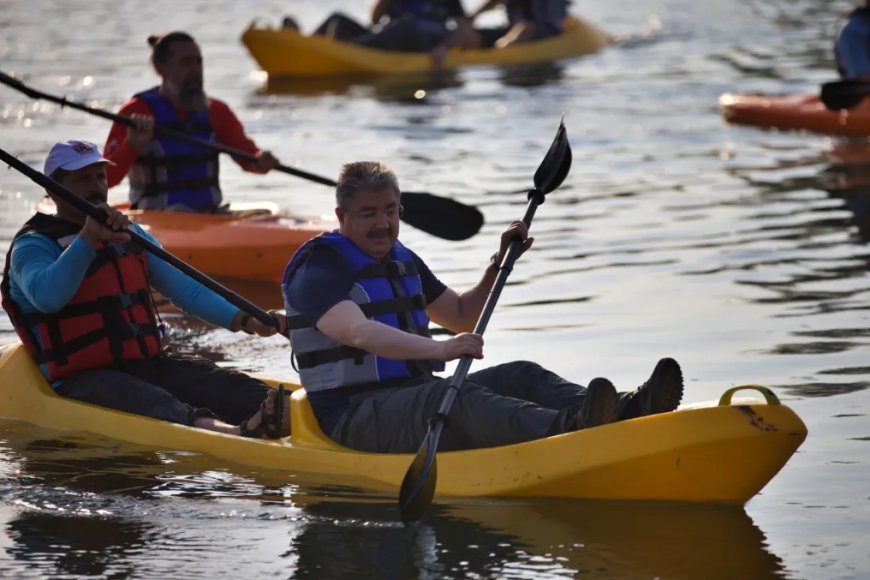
x,y
191,96
193,99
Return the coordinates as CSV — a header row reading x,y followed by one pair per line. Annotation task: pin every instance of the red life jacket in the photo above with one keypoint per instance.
x,y
110,319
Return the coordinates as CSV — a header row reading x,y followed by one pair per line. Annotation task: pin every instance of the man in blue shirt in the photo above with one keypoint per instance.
x,y
79,295
852,46
358,307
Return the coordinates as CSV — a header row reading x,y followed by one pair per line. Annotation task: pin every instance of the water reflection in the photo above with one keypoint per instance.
x,y
848,178
406,88
532,75
633,539
410,87
89,506
540,538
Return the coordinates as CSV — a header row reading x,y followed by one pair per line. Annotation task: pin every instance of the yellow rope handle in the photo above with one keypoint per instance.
x,y
771,399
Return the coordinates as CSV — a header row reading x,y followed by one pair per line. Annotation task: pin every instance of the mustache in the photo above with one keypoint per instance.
x,y
376,234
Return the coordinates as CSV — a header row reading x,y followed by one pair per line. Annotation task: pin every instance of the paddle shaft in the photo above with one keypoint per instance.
x,y
418,485
536,198
94,212
158,129
438,216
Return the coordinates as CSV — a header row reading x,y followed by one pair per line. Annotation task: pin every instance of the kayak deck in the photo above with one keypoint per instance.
x,y
723,453
285,52
794,112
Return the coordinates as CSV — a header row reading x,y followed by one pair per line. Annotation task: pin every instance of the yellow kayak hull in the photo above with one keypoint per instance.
x,y
287,53
724,453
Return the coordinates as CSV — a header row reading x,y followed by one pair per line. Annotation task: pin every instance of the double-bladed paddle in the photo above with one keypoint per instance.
x,y
93,211
440,216
418,486
837,95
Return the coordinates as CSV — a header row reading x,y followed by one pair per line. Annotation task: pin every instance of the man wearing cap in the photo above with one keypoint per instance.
x,y
167,173
78,294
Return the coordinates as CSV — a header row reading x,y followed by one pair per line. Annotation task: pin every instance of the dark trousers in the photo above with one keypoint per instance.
x,y
501,405
171,387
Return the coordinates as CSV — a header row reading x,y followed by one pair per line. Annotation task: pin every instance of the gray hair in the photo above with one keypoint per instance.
x,y
363,176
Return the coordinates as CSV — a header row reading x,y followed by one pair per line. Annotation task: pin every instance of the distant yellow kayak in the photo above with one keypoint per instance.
x,y
718,453
285,52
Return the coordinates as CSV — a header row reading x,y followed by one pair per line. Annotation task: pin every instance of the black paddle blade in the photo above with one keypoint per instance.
x,y
418,486
441,216
839,95
556,164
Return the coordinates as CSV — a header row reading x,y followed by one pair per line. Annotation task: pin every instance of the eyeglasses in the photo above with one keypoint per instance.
x,y
393,212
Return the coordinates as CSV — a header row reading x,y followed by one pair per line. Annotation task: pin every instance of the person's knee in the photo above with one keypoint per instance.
x,y
523,367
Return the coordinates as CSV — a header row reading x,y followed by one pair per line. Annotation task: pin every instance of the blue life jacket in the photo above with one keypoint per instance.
x,y
172,172
390,292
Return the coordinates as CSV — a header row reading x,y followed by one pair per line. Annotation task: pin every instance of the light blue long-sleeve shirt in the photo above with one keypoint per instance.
x,y
43,277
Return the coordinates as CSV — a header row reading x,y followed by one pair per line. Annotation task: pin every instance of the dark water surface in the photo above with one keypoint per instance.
x,y
742,253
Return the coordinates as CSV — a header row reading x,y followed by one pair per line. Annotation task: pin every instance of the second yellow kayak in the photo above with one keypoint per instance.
x,y
285,52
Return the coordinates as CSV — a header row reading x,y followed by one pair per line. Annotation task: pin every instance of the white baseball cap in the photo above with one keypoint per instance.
x,y
72,155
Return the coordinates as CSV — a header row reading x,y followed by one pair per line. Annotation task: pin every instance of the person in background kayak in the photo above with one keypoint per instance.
x,y
358,308
852,45
404,25
527,20
78,294
168,174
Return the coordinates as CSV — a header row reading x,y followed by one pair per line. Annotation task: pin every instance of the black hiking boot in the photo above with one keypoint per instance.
x,y
661,393
599,405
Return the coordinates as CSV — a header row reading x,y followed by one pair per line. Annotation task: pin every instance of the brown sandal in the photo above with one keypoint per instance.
x,y
271,424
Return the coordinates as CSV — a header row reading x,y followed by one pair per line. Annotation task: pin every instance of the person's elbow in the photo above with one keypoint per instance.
x,y
49,304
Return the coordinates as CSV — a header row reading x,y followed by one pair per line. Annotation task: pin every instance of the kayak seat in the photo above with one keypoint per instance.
x,y
304,427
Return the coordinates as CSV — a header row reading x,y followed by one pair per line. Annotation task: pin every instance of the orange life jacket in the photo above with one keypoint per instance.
x,y
110,320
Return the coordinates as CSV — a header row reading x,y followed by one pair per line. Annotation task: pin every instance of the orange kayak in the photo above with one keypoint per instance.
x,y
801,112
247,244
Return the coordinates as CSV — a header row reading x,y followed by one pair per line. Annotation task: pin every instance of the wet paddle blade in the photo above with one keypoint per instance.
x,y
556,164
838,95
441,216
418,486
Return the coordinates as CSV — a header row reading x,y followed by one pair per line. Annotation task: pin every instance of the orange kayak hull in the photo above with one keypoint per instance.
x,y
799,112
247,247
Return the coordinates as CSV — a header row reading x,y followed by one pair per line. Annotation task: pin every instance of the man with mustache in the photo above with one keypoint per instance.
x,y
166,173
358,308
78,294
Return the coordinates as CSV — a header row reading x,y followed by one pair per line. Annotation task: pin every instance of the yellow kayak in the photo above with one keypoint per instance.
x,y
285,52
718,453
